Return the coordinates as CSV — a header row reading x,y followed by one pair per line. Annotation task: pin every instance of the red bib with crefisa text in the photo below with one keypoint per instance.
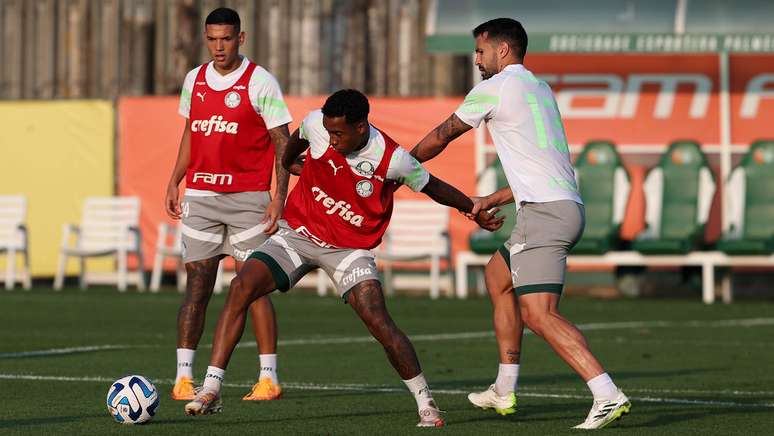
x,y
339,206
231,150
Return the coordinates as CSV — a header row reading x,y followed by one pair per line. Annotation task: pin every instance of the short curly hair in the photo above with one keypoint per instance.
x,y
349,103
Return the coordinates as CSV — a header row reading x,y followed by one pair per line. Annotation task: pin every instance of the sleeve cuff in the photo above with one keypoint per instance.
x,y
464,119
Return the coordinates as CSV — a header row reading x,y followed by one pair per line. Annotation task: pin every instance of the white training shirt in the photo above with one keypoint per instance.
x,y
403,168
264,92
525,124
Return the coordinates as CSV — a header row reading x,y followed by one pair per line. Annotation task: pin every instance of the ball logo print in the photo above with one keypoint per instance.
x,y
232,99
132,400
364,188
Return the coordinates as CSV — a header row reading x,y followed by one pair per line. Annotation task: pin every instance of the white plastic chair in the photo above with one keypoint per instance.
x,y
14,239
165,249
418,231
109,227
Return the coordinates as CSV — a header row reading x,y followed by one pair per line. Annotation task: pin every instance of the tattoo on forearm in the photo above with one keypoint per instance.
x,y
450,129
439,138
279,136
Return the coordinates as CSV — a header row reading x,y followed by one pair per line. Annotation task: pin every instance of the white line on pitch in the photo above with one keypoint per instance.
x,y
745,322
387,389
58,351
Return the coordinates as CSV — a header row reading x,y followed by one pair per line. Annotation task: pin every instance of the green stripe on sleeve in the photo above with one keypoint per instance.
x,y
273,107
478,103
540,128
185,98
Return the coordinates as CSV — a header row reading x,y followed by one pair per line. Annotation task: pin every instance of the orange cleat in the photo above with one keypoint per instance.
x,y
264,390
183,390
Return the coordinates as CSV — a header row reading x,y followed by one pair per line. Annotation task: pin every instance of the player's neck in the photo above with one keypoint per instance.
x,y
508,62
229,68
363,142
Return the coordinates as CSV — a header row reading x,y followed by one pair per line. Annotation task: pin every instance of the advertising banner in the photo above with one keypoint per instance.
x,y
56,153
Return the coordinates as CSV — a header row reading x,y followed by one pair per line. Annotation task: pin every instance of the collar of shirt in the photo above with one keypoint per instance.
x,y
516,68
218,81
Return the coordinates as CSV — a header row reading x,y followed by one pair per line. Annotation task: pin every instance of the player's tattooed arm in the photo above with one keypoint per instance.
x,y
292,159
279,136
437,140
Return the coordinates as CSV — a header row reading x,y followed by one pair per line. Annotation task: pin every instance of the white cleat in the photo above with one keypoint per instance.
x,y
205,403
488,399
430,417
604,412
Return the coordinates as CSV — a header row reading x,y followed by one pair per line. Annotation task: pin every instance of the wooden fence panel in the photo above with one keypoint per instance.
x,y
107,48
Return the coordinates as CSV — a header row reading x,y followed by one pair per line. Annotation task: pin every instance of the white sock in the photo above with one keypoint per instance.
x,y
507,377
423,396
602,387
268,367
185,360
214,379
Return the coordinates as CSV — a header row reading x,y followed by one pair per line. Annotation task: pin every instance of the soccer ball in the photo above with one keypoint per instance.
x,y
132,400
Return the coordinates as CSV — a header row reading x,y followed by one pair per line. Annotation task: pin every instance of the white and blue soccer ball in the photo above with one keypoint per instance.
x,y
132,400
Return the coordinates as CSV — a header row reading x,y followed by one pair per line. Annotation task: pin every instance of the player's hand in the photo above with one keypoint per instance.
x,y
273,214
479,204
298,165
172,202
489,220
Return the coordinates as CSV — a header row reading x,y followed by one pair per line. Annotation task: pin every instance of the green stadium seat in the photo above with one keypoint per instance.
x,y
750,196
678,196
485,242
604,186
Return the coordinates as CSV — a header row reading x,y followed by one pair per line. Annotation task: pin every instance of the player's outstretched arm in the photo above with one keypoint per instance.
x,y
448,195
439,138
490,202
172,200
292,160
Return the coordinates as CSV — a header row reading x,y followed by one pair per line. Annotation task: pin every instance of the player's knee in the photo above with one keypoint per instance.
x,y
535,320
377,320
239,292
498,289
197,294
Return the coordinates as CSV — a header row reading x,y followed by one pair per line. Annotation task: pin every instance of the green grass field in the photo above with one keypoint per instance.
x,y
688,368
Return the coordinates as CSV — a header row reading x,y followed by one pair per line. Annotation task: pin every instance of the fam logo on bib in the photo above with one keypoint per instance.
x,y
232,99
364,188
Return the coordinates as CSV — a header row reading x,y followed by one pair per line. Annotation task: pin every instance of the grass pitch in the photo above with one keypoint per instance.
x,y
687,367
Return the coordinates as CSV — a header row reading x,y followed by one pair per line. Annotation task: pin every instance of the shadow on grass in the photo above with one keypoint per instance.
x,y
51,420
